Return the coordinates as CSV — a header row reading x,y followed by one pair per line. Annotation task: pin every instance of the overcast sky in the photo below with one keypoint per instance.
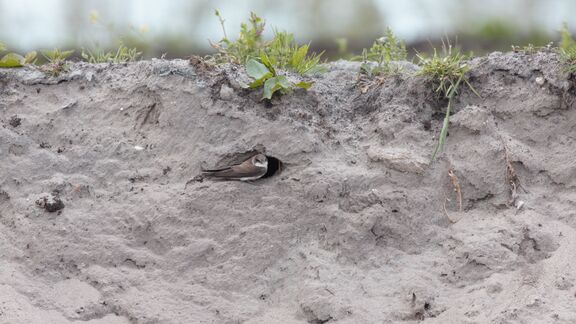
x,y
28,24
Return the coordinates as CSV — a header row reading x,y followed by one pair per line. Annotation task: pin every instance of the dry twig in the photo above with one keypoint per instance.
x,y
456,185
446,211
511,176
457,189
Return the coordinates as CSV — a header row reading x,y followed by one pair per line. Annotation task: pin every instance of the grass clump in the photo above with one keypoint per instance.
x,y
56,61
447,70
531,48
265,60
567,50
528,49
122,55
246,46
377,59
282,51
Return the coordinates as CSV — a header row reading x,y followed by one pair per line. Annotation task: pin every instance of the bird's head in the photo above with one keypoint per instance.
x,y
260,161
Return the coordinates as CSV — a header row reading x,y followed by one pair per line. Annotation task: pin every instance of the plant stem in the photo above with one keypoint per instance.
x,y
453,90
444,130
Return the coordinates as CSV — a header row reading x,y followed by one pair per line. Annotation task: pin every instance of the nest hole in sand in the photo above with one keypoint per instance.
x,y
275,166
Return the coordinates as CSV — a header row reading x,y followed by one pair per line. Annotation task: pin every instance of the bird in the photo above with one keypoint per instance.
x,y
251,169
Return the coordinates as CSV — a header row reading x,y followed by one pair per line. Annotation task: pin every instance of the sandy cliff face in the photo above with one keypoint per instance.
x,y
358,227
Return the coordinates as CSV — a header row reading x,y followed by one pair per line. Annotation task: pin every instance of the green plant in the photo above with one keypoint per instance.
x,y
447,70
248,44
13,60
121,55
528,49
56,61
567,50
263,59
342,48
264,74
282,51
377,59
124,53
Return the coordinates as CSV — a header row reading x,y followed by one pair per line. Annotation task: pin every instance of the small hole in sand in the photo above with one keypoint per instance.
x,y
274,166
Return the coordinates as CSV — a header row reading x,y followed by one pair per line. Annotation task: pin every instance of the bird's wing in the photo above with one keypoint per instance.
x,y
216,170
238,172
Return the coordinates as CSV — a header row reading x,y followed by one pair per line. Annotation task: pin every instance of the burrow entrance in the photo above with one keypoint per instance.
x,y
274,166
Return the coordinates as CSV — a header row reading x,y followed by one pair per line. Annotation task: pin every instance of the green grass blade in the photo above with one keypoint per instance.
x,y
444,130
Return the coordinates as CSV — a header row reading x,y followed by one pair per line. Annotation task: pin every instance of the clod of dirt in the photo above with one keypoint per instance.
x,y
52,203
15,121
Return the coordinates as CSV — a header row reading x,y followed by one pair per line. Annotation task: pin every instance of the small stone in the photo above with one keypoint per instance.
x,y
226,93
540,80
138,148
473,118
51,203
69,105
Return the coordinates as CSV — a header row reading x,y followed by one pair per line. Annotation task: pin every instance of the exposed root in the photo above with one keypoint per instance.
x,y
364,83
457,189
456,185
446,211
511,177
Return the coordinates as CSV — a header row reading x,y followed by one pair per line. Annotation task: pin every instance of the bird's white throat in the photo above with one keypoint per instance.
x,y
260,164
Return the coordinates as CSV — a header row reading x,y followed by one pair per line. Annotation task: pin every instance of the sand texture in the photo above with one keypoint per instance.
x,y
103,220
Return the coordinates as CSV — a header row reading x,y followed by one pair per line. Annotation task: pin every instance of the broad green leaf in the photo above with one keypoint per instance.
x,y
11,60
256,84
30,57
283,82
2,47
269,85
257,70
272,85
304,85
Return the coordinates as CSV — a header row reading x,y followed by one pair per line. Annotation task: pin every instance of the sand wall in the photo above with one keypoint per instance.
x,y
359,226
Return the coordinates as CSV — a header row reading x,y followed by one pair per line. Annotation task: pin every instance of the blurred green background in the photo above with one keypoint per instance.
x,y
179,28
